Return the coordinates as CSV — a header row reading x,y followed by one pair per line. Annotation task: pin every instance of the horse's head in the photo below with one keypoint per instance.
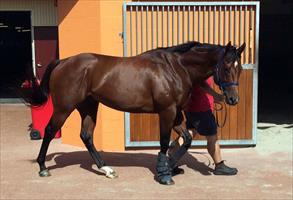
x,y
227,73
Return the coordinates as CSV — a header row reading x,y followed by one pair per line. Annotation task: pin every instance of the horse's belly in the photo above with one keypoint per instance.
x,y
127,102
125,89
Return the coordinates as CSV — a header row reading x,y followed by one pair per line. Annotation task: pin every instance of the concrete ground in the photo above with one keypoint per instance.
x,y
265,172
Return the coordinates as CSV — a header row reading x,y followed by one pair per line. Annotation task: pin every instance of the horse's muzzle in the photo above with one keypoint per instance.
x,y
232,100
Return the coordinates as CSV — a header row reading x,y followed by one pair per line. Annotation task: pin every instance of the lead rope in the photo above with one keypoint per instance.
x,y
217,110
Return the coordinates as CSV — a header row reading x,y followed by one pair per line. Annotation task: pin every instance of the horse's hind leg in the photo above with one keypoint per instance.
x,y
88,112
55,123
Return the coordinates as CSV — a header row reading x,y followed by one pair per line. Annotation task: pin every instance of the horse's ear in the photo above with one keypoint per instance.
x,y
228,46
241,48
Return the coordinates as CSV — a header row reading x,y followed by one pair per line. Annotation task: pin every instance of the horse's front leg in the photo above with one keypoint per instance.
x,y
164,170
176,151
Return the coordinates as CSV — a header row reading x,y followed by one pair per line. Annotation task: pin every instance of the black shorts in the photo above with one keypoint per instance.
x,y
203,122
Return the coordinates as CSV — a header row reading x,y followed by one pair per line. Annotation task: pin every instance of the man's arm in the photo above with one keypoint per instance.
x,y
217,97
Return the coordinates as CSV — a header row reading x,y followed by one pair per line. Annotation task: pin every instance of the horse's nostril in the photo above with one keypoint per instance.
x,y
233,100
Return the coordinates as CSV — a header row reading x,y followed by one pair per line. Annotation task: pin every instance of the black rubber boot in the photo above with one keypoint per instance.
x,y
177,170
175,153
164,171
222,169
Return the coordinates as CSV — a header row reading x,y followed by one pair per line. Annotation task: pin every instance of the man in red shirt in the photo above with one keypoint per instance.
x,y
200,119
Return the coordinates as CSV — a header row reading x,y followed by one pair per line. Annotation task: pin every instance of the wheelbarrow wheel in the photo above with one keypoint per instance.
x,y
35,134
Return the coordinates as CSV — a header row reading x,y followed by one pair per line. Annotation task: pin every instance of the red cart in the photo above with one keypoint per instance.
x,y
40,118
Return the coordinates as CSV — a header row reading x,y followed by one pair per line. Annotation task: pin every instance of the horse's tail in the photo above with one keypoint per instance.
x,y
40,92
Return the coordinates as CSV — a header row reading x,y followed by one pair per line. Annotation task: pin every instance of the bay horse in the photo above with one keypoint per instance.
x,y
157,81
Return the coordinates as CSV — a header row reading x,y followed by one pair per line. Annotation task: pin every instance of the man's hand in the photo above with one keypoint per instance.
x,y
218,97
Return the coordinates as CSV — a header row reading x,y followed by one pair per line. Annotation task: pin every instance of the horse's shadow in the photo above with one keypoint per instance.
x,y
145,160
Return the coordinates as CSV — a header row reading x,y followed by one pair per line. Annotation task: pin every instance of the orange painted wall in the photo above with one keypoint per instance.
x,y
92,26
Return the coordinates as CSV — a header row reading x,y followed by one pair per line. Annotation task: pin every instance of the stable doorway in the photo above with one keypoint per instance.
x,y
15,52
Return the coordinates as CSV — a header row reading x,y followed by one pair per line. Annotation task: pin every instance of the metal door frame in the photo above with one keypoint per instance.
x,y
241,142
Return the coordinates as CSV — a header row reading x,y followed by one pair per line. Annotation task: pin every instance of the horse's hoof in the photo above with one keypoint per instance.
x,y
109,172
112,175
44,173
167,182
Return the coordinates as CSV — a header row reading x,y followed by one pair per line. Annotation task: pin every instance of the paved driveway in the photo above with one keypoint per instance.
x,y
265,172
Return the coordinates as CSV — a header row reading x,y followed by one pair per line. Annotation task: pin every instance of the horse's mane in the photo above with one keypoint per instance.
x,y
182,48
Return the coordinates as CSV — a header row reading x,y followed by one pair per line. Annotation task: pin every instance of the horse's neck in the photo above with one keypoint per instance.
x,y
200,65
